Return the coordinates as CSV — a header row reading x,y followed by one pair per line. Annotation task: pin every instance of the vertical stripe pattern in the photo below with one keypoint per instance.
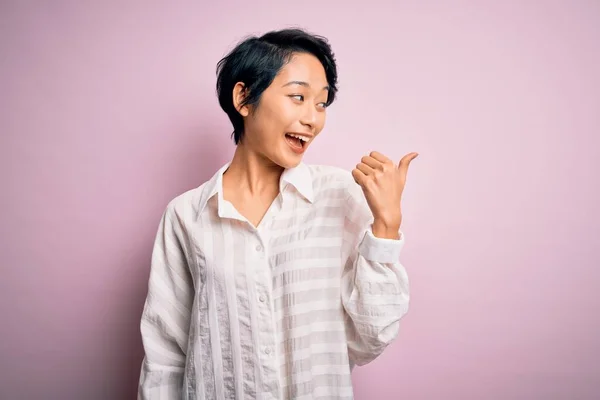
x,y
283,310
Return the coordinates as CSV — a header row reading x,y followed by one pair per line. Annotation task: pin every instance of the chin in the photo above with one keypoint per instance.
x,y
288,162
287,158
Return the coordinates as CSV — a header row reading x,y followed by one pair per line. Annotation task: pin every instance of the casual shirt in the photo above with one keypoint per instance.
x,y
283,310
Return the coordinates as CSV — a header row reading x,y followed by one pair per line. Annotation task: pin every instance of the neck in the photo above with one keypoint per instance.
x,y
252,173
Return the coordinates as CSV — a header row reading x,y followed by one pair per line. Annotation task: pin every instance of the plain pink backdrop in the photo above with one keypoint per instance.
x,y
107,111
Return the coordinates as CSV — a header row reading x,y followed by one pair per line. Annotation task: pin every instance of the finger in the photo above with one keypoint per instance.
x,y
365,169
405,162
379,157
371,162
359,177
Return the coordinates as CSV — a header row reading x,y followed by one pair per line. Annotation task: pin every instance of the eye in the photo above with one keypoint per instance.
x,y
298,97
322,105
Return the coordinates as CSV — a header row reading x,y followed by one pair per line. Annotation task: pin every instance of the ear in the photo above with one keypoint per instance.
x,y
239,94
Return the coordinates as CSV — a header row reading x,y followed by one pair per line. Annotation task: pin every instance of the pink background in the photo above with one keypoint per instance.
x,y
108,111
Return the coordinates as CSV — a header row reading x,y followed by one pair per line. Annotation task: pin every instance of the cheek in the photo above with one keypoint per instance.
x,y
321,121
263,120
283,117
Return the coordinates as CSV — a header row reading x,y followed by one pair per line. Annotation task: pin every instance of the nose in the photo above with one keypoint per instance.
x,y
309,116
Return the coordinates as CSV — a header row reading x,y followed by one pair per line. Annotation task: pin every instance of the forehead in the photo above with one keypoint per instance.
x,y
303,67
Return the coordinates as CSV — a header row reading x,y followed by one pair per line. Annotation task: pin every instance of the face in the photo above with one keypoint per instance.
x,y
290,113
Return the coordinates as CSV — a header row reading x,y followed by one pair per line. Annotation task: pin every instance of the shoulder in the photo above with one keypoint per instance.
x,y
323,174
329,179
185,207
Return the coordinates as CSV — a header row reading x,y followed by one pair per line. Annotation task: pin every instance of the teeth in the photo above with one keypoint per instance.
x,y
299,137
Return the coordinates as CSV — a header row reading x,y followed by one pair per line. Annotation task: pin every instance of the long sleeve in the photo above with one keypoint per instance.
x,y
375,289
166,317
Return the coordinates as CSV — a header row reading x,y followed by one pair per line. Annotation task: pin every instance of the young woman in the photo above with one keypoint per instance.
x,y
274,278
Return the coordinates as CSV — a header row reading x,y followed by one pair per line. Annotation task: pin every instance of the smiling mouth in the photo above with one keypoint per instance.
x,y
295,141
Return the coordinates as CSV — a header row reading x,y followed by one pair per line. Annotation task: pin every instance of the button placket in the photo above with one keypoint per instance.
x,y
267,335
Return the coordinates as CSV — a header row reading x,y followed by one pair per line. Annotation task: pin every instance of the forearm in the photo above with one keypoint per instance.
x,y
375,295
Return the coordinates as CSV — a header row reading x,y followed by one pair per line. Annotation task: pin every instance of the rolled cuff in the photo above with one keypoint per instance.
x,y
380,249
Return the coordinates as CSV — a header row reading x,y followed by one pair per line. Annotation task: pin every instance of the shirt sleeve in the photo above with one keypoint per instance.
x,y
375,287
166,316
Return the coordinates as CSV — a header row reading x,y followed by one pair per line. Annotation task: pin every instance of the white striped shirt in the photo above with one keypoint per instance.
x,y
281,311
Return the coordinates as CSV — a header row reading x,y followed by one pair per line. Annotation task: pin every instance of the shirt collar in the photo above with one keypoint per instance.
x,y
299,177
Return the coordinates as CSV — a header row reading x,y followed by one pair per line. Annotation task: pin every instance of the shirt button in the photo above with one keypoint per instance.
x,y
262,298
259,247
268,350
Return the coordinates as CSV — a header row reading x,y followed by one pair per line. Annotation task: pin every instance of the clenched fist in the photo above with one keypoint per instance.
x,y
382,183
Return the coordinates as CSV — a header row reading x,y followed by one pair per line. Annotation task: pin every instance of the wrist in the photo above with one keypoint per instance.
x,y
386,229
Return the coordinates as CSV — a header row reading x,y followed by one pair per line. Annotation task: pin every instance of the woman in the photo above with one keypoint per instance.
x,y
274,278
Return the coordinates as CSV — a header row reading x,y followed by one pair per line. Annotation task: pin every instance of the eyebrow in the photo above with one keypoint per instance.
x,y
302,83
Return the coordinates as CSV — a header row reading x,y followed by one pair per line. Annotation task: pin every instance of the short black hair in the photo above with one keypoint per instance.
x,y
256,61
